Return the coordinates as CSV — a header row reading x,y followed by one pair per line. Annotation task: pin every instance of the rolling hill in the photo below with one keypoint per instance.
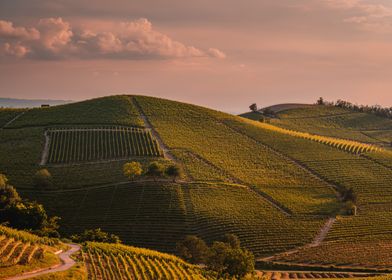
x,y
278,191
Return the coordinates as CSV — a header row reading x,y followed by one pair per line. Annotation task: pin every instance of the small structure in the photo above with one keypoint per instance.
x,y
45,105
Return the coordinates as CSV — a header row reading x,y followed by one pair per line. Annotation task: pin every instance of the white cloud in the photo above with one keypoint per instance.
x,y
55,38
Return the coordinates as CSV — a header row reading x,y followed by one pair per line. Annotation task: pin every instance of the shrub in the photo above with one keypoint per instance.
x,y
155,169
193,249
132,170
42,179
174,171
95,235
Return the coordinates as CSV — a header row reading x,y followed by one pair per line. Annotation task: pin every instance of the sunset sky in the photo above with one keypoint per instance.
x,y
223,54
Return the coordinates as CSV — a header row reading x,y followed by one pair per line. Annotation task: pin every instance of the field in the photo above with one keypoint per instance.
x,y
105,261
21,252
275,188
7,115
95,144
113,110
337,122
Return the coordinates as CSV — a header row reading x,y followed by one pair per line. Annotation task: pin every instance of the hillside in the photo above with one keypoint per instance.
x,y
337,122
275,190
21,252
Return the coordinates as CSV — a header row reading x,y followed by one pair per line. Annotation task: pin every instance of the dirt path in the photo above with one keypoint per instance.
x,y
45,152
14,119
165,149
323,233
66,263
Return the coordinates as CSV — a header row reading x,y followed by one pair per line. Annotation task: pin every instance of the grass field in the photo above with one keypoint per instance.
x,y
7,115
95,144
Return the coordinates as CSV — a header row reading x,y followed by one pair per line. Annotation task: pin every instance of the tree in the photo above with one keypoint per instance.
x,y
174,171
320,101
3,180
132,170
232,240
193,249
228,258
349,195
253,107
95,235
154,169
42,179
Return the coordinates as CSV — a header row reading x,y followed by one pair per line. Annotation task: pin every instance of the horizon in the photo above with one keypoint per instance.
x,y
204,53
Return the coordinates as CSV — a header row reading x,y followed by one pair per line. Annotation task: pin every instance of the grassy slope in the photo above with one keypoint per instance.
x,y
113,110
337,122
7,115
370,180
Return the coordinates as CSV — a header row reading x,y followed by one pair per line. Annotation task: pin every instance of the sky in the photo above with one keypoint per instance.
x,y
223,54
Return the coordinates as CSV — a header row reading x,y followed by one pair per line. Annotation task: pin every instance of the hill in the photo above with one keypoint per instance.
x,y
337,122
21,252
275,190
29,103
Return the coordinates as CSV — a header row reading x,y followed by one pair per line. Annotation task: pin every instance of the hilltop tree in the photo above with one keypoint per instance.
x,y
320,101
42,179
193,249
155,169
174,171
132,170
253,107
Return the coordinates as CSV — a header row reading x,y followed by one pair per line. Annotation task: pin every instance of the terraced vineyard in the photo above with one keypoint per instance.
x,y
21,252
106,261
100,143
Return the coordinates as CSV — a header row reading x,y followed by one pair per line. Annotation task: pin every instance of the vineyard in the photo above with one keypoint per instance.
x,y
336,122
21,251
110,262
104,143
111,110
7,115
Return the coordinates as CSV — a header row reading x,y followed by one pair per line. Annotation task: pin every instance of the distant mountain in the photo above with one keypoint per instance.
x,y
29,103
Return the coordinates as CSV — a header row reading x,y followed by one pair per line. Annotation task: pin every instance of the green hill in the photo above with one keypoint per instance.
x,y
273,189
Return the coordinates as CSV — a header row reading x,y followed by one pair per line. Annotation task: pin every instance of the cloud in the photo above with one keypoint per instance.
x,y
371,16
54,38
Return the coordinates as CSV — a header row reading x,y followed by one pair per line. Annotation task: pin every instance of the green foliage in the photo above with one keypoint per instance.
x,y
25,214
132,170
43,179
95,235
155,169
174,171
193,249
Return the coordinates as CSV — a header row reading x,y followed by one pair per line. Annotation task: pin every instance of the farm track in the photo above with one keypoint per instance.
x,y
45,152
66,263
14,119
165,149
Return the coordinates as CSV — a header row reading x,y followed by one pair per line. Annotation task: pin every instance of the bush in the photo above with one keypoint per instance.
x,y
42,179
95,235
132,170
174,171
155,169
193,249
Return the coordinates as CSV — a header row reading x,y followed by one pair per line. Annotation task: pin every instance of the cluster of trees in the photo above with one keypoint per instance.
x,y
225,257
155,169
375,109
95,235
24,214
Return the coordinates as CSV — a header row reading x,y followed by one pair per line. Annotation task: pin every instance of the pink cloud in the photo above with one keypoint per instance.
x,y
55,38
